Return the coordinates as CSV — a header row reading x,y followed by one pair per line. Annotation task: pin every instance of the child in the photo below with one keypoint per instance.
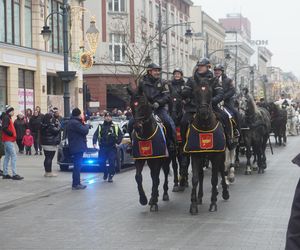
x,y
27,141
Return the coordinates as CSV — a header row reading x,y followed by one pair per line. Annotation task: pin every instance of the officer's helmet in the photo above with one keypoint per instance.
x,y
153,66
219,67
204,62
178,70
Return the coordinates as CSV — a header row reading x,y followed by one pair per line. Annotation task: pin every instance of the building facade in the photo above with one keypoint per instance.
x,y
129,40
28,65
238,43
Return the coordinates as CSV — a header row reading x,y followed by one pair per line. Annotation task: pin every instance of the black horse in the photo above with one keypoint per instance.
x,y
176,112
146,127
278,123
255,131
202,129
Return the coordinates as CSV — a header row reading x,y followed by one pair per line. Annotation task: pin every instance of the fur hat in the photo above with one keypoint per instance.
x,y
8,109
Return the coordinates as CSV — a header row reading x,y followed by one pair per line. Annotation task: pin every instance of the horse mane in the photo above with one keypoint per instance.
x,y
252,102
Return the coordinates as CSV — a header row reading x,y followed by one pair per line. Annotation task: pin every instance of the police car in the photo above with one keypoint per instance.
x,y
90,159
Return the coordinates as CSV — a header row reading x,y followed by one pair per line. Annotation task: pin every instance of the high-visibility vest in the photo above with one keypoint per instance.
x,y
116,130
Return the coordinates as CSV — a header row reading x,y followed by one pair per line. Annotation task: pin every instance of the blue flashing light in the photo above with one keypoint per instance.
x,y
91,181
90,161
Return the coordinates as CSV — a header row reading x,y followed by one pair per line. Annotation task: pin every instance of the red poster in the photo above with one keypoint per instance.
x,y
206,141
178,135
145,148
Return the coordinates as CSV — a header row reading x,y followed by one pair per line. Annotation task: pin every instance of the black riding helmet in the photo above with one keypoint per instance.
x,y
153,66
178,70
204,62
219,67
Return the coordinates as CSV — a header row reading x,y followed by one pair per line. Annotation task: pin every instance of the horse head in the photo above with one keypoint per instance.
x,y
247,103
203,98
141,108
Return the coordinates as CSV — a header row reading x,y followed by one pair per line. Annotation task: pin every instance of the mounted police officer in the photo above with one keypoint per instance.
x,y
176,87
158,95
203,72
229,92
108,136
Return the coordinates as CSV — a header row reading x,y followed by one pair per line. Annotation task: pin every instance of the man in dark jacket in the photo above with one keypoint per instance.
x,y
20,126
35,127
229,92
77,132
9,136
293,232
108,136
157,93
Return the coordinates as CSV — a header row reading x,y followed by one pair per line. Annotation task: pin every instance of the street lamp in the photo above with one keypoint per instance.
x,y
67,76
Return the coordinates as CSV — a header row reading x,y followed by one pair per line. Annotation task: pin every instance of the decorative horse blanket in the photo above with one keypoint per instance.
x,y
150,148
199,141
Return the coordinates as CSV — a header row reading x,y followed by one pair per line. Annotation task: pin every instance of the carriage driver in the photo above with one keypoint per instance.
x,y
157,93
203,72
229,92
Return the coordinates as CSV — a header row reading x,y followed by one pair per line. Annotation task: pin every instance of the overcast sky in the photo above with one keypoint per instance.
x,y
275,21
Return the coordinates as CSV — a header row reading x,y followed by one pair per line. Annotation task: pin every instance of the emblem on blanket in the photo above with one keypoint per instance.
x,y
199,141
150,148
178,135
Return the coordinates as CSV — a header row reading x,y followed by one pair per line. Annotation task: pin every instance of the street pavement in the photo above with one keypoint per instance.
x,y
44,213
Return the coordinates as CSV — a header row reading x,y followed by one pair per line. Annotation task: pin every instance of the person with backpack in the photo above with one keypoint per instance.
x,y
108,136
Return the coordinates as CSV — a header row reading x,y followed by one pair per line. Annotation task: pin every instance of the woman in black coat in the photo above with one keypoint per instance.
x,y
50,138
20,126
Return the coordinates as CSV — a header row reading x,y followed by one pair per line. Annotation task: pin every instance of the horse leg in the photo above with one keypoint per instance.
x,y
225,192
248,155
155,166
200,178
139,164
166,169
196,164
185,162
237,159
214,182
231,172
175,172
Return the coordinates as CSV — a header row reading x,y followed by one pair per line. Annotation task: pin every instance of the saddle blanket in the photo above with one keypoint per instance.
x,y
150,148
199,141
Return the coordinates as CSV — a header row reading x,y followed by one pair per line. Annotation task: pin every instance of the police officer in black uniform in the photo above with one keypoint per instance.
x,y
229,92
203,72
176,86
108,136
158,95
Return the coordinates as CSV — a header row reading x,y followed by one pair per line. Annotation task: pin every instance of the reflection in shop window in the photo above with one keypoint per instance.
x,y
26,90
54,86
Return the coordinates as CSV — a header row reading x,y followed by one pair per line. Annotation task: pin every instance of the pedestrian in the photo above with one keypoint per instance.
x,y
108,136
2,153
9,136
20,126
27,141
28,115
50,138
77,132
35,127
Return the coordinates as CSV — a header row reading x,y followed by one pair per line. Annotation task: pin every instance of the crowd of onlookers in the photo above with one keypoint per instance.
x,y
126,114
30,130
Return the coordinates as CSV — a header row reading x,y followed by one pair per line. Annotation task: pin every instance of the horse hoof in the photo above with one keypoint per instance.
x,y
166,197
194,210
255,168
231,180
199,201
213,207
154,208
225,195
143,200
176,189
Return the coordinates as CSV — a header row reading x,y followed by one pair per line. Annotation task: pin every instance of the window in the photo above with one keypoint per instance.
x,y
117,5
28,23
10,21
56,26
54,86
117,47
26,89
3,87
156,14
150,11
